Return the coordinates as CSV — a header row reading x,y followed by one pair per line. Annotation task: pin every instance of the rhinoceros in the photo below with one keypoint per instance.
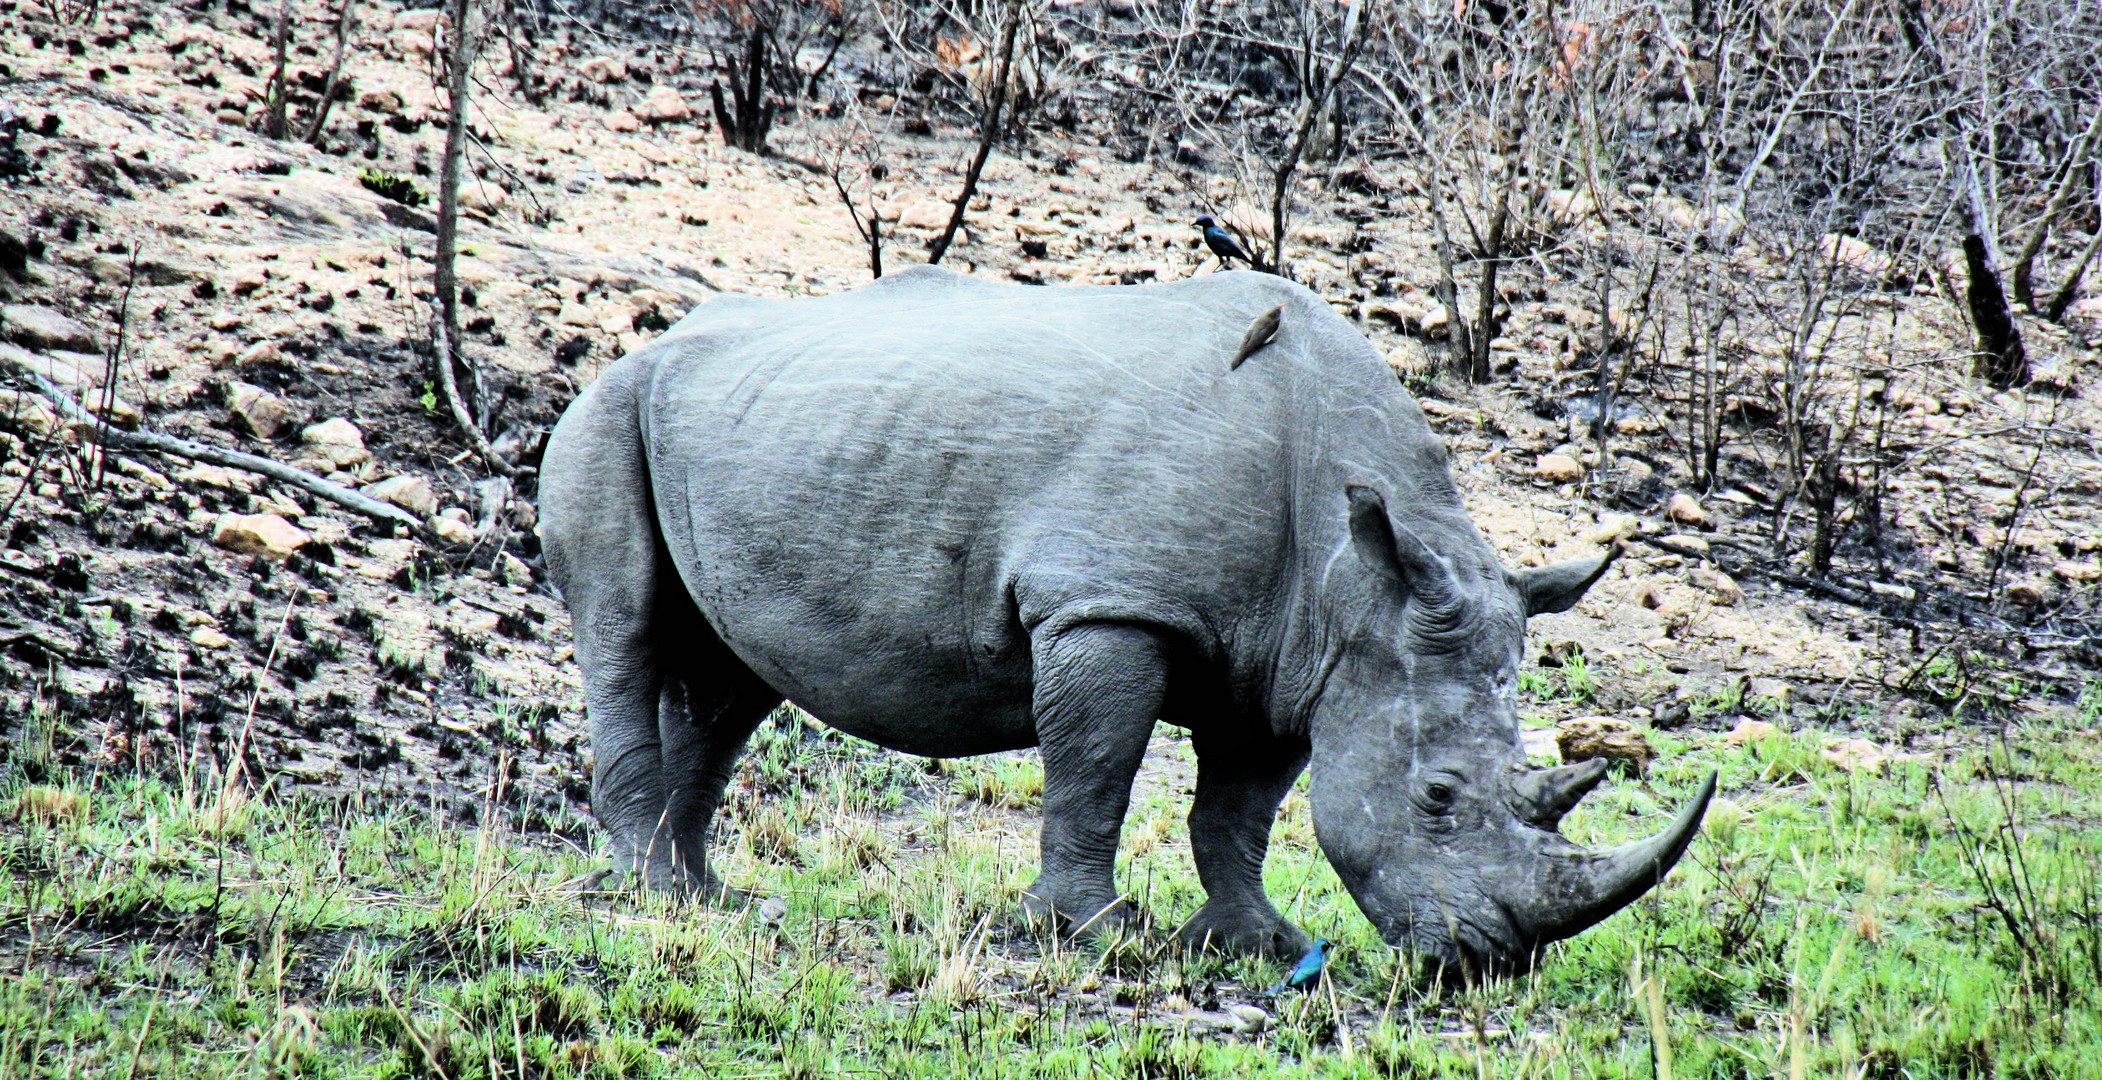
x,y
956,517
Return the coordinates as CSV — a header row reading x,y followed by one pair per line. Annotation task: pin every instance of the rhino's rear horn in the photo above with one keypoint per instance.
x,y
1542,796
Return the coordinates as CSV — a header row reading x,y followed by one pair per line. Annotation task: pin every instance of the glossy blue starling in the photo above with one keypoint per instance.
x,y
1222,242
1307,971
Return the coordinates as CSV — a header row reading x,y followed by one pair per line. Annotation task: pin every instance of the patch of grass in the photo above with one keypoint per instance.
x,y
1936,920
394,188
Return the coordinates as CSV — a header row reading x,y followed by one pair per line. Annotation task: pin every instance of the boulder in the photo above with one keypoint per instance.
x,y
1587,737
622,120
267,535
408,491
256,411
1557,469
37,327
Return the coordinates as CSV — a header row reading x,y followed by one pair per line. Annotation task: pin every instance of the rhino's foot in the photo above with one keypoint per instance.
x,y
1049,915
1243,930
660,878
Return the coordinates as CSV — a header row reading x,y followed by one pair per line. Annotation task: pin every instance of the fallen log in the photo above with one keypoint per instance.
x,y
102,432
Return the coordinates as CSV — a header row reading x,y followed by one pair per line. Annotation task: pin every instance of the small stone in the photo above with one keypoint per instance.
x,y
512,570
380,100
337,442
1434,323
1587,737
484,197
1686,510
2083,572
36,327
451,531
1721,587
1688,541
1613,527
663,106
925,214
603,69
215,476
622,120
262,352
256,411
1748,731
2025,594
1557,469
1248,1019
408,491
204,637
772,910
1854,755
27,412
267,535
1765,691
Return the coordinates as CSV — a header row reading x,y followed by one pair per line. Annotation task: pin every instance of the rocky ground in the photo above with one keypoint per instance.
x,y
179,271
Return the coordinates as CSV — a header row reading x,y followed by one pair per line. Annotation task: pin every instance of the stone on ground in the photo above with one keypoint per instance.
x,y
267,535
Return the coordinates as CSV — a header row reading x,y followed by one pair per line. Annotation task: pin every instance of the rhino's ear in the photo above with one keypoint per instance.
x,y
1549,589
1398,555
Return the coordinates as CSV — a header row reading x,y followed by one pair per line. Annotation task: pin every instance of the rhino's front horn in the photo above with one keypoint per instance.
x,y
1583,888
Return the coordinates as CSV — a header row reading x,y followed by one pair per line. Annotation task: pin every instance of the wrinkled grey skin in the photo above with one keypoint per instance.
x,y
954,517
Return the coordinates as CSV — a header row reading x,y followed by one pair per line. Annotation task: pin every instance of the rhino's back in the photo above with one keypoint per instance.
x,y
873,496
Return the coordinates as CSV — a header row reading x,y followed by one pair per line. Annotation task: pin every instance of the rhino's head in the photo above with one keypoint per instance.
x,y
1422,797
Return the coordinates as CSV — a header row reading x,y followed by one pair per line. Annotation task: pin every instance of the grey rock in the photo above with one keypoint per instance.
x,y
37,327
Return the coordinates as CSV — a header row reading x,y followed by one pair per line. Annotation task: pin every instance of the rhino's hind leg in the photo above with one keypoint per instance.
x,y
1239,786
1098,690
710,704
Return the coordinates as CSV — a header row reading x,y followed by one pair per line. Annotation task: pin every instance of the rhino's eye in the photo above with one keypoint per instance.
x,y
1438,793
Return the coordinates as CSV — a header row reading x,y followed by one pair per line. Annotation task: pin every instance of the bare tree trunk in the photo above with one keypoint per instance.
x,y
275,125
1478,371
1313,102
2070,287
1462,344
2001,359
988,131
521,52
449,359
2068,184
747,117
335,72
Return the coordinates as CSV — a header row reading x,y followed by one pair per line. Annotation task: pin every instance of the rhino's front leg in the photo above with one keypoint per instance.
x,y
1240,782
1098,690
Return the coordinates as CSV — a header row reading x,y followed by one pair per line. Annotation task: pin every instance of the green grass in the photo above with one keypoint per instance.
x,y
1936,920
